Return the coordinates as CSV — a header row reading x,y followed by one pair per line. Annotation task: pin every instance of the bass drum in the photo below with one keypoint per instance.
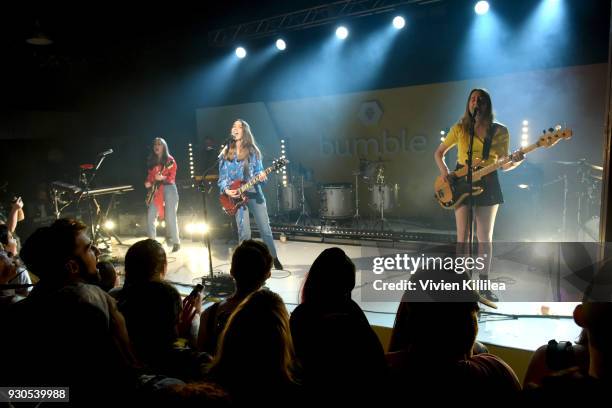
x,y
289,200
384,197
336,201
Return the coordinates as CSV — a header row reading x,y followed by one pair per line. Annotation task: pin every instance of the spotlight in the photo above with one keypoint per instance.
x,y
399,22
281,44
442,132
342,32
524,143
525,122
109,225
241,52
525,136
282,140
523,186
197,228
482,7
525,129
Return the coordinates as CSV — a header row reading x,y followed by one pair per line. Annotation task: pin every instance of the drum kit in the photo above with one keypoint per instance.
x,y
339,202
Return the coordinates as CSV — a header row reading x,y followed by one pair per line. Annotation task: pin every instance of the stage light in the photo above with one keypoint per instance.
x,y
109,225
281,44
442,139
442,132
525,122
524,136
525,129
399,22
523,186
241,52
482,7
342,32
524,143
282,140
197,228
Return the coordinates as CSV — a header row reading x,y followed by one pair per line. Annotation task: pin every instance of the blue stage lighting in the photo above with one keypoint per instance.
x,y
342,32
482,7
399,22
241,52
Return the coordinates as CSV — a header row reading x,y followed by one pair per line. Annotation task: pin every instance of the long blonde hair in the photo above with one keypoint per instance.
x,y
256,341
248,144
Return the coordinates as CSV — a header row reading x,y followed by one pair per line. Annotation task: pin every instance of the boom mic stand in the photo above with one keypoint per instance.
x,y
220,286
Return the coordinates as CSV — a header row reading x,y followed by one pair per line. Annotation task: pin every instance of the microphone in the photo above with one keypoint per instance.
x,y
224,146
106,152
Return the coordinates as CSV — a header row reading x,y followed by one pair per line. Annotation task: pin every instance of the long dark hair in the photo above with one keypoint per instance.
x,y
331,278
248,143
486,116
152,159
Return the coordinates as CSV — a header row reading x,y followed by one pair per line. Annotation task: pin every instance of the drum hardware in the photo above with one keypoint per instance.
x,y
336,201
304,213
356,217
370,170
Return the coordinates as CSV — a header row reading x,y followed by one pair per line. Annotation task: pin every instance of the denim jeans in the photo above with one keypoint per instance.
x,y
260,213
171,199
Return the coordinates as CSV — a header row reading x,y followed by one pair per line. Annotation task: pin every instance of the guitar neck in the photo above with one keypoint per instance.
x,y
478,174
254,180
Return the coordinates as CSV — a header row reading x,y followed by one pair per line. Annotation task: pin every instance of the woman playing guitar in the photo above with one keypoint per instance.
x,y
241,160
478,117
163,197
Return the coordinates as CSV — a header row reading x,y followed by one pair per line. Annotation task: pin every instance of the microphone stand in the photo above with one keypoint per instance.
x,y
205,191
87,184
470,217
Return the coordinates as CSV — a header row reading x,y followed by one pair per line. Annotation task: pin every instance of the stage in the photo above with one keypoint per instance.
x,y
523,325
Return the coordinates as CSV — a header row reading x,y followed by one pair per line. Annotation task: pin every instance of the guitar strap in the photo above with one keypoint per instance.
x,y
486,148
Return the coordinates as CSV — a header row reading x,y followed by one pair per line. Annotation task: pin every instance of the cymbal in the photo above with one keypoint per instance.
x,y
568,163
595,167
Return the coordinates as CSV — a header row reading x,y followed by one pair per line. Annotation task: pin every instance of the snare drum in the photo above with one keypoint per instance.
x,y
289,200
336,201
383,196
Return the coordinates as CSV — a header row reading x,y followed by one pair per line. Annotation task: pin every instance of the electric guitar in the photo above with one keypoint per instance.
x,y
155,186
232,204
453,191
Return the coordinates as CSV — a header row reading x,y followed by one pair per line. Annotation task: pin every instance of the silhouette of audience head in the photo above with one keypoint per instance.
x,y
61,252
7,241
331,278
145,261
251,265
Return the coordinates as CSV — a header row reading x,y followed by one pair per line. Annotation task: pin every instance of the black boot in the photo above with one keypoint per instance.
x,y
277,264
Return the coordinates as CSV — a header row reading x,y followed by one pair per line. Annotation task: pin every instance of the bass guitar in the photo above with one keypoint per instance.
x,y
452,191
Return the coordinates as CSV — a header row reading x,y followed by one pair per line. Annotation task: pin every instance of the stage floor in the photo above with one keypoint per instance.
x,y
524,325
